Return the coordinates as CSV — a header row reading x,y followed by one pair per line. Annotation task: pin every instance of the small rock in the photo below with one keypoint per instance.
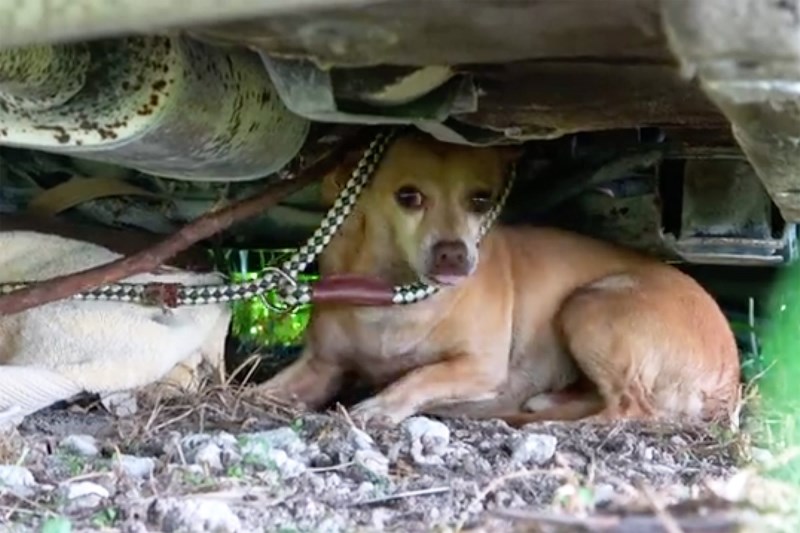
x,y
677,440
485,446
372,463
503,498
85,495
648,454
284,438
365,488
132,526
209,455
192,442
761,455
423,428
225,440
193,516
331,524
285,465
83,445
321,460
17,479
360,440
192,470
429,439
120,404
393,453
534,447
212,451
379,518
136,467
262,449
604,493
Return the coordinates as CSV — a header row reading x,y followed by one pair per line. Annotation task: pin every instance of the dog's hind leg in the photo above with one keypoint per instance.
x,y
654,344
609,333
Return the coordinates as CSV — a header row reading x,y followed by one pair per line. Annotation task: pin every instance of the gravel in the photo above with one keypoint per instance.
x,y
205,466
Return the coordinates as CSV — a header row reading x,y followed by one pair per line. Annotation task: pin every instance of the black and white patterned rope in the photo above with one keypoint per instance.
x,y
292,293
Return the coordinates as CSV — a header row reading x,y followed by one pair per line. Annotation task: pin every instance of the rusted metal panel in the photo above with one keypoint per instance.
x,y
27,22
746,54
447,32
550,99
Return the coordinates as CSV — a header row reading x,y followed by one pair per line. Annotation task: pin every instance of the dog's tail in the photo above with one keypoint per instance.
x,y
26,389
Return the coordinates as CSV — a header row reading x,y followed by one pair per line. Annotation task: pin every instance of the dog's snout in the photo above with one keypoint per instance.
x,y
451,256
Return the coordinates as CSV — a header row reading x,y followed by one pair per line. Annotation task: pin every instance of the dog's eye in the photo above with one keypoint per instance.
x,y
480,202
409,197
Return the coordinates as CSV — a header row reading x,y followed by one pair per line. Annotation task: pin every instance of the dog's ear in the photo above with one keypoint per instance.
x,y
335,180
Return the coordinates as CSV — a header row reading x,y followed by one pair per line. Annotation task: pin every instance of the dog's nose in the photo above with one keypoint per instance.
x,y
451,257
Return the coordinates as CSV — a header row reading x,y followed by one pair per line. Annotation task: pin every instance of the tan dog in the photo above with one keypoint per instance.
x,y
520,325
55,351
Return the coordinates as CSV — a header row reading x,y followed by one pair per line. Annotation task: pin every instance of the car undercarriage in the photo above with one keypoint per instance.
x,y
668,126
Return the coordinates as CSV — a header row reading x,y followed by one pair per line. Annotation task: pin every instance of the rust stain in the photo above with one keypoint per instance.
x,y
61,134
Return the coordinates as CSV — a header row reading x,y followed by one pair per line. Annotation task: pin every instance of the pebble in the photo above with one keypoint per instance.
x,y
284,438
83,445
85,495
429,439
360,440
214,452
604,493
371,462
534,447
761,456
193,516
17,479
365,489
379,518
285,465
332,524
192,442
121,404
209,455
280,449
257,452
136,467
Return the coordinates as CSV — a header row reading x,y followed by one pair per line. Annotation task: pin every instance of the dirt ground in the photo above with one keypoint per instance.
x,y
217,463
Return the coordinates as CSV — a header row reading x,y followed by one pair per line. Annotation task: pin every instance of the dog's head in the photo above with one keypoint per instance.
x,y
425,204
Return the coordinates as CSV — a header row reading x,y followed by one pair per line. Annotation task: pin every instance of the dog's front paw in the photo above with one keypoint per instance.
x,y
376,411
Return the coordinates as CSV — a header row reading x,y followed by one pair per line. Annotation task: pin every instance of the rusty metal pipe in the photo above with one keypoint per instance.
x,y
42,77
170,106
